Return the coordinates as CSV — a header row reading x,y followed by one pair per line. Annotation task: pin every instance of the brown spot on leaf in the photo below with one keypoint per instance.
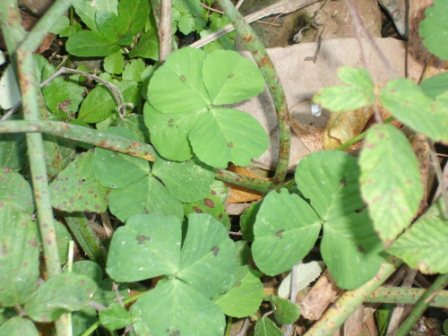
x,y
230,144
141,239
215,250
279,233
209,203
197,209
230,75
182,78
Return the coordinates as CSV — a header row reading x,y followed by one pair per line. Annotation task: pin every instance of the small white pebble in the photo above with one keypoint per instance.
x,y
316,110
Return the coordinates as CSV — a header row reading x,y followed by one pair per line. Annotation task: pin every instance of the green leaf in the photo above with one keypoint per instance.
x,y
63,293
19,258
224,135
12,151
15,192
115,170
147,195
424,245
407,102
147,46
169,133
114,63
245,297
88,268
115,317
18,326
186,181
175,308
133,14
87,10
133,70
434,27
265,327
154,243
281,241
285,311
177,86
230,78
247,221
211,204
63,238
390,180
76,188
90,44
207,250
358,92
435,85
100,104
350,247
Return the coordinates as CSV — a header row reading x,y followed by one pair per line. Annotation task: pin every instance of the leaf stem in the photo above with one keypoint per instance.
x,y
335,316
402,295
117,144
256,47
422,304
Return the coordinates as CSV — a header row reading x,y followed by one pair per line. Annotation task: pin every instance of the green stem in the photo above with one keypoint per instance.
x,y
401,295
86,238
81,134
256,47
118,144
335,316
422,304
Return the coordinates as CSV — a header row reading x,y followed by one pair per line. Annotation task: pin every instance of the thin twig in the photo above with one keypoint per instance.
x,y
211,9
164,30
281,7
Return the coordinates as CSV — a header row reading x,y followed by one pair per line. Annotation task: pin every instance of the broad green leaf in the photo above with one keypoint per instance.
x,y
58,154
63,293
12,151
76,188
19,258
154,243
88,268
435,85
245,297
211,204
90,44
114,63
186,181
147,46
133,70
358,91
434,27
231,78
100,104
133,14
177,86
169,133
285,311
175,308
115,317
15,192
350,247
147,195
390,180
208,258
223,135
87,10
18,326
424,245
407,102
115,170
265,327
281,241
